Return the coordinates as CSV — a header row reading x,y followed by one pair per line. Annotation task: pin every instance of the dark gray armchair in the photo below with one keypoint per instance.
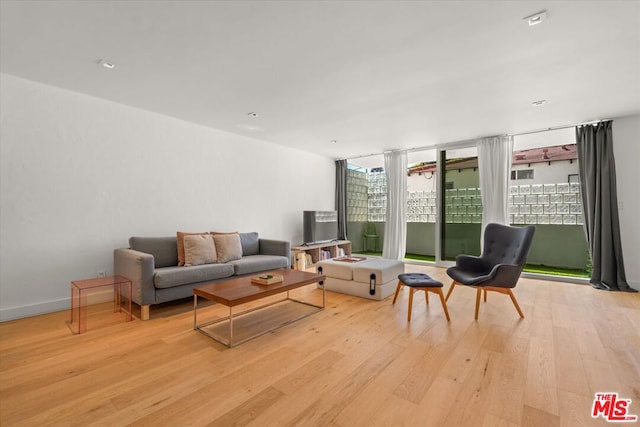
x,y
498,268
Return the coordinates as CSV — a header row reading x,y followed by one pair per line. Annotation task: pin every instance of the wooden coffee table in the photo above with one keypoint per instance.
x,y
240,290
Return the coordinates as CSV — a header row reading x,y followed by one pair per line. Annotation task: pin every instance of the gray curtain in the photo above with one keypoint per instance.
x,y
600,204
341,198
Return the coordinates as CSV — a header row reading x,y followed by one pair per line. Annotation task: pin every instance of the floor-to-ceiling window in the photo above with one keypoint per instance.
x,y
422,190
461,205
366,203
545,192
461,217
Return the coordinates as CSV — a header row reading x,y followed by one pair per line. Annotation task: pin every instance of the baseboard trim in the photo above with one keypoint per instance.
x,y
13,313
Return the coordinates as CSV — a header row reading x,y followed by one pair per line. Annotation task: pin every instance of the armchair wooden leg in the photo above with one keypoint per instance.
x,y
410,304
515,302
397,291
485,295
444,304
453,284
426,296
144,312
478,294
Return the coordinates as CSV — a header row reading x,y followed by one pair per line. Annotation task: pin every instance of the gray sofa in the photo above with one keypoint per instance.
x,y
152,265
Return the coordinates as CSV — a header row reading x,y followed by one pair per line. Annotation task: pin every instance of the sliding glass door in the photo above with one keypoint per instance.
x,y
460,203
545,192
444,206
366,204
422,210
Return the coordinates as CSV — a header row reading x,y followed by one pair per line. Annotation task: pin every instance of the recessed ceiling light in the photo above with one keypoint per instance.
x,y
252,114
539,103
107,64
334,141
537,18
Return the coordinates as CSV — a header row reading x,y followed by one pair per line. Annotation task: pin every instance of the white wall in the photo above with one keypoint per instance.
x,y
544,173
626,148
80,175
424,182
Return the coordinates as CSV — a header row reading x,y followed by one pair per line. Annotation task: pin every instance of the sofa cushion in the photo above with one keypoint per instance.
x,y
258,263
250,243
198,250
163,249
228,247
175,276
180,244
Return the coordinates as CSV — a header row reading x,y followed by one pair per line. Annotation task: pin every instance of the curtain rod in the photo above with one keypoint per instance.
x,y
468,140
558,127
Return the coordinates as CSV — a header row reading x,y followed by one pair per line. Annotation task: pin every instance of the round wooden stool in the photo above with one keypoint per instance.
x,y
420,282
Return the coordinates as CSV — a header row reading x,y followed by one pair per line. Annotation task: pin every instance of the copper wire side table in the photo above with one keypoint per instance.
x,y
80,288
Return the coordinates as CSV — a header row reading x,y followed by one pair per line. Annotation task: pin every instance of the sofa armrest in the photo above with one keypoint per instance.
x,y
139,268
276,247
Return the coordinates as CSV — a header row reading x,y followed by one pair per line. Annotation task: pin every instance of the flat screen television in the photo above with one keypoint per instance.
x,y
319,226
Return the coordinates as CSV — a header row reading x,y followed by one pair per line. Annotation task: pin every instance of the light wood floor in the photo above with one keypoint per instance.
x,y
357,363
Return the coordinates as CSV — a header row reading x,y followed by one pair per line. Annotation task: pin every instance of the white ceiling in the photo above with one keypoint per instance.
x,y
373,75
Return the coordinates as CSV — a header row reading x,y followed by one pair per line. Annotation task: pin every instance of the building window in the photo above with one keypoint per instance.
x,y
522,174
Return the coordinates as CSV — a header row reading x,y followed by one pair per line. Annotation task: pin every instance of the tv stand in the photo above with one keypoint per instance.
x,y
315,250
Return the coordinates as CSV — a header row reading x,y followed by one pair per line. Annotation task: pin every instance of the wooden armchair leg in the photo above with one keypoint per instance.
x,y
144,312
444,304
453,284
515,302
478,294
485,295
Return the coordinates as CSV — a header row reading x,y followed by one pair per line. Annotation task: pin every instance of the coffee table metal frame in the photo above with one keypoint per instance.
x,y
293,279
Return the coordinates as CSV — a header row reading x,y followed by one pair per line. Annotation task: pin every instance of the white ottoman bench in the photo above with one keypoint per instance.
x,y
373,278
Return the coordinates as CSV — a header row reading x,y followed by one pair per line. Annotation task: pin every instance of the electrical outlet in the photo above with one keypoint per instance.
x,y
102,273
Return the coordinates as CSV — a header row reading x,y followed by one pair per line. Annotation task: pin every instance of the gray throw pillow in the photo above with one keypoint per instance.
x,y
250,243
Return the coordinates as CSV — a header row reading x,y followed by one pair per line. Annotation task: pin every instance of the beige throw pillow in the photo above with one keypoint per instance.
x,y
180,239
228,247
198,250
